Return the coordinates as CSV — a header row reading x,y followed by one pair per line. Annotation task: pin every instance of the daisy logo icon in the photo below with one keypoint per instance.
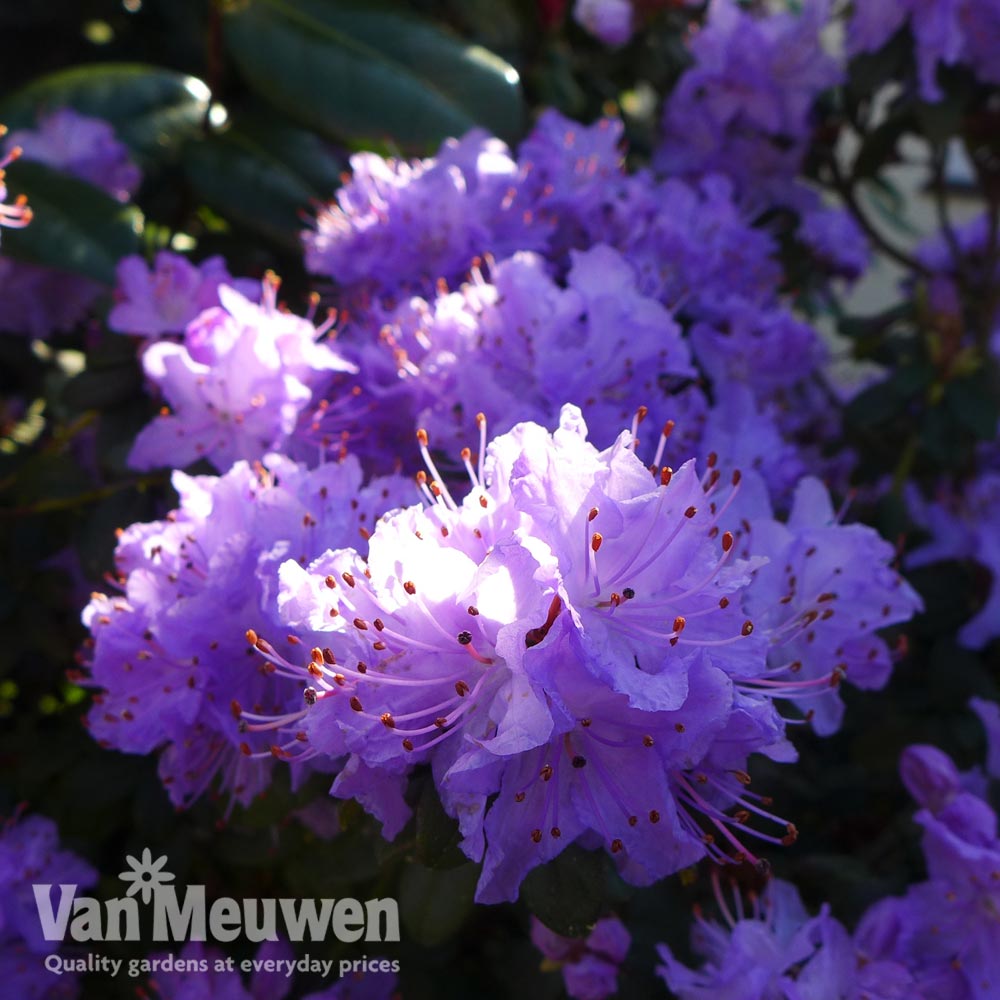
x,y
145,874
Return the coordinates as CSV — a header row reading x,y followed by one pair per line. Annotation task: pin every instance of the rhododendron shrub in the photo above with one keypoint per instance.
x,y
532,468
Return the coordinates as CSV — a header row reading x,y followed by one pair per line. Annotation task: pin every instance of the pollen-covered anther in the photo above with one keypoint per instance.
x,y
465,638
251,637
328,656
314,669
648,741
348,578
519,796
316,654
422,438
408,745
387,720
360,623
690,512
594,511
536,836
741,776
747,628
727,541
461,688
546,772
441,721
556,832
723,602
356,703
666,474
654,816
617,846
679,623
791,836
235,708
595,540
410,587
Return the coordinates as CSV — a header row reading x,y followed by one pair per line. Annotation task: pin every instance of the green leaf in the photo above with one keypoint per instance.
x,y
973,405
76,226
433,904
873,407
151,109
570,893
359,72
264,174
437,835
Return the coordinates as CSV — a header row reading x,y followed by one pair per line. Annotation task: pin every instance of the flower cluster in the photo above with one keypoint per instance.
x,y
938,940
167,652
571,650
944,34
39,300
589,966
237,384
30,853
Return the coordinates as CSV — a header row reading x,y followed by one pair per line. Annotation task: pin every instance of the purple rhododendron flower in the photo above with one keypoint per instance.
x,y
945,32
945,930
589,965
171,295
776,951
962,526
376,238
574,639
39,301
743,108
30,854
15,215
517,345
82,146
169,653
237,383
608,20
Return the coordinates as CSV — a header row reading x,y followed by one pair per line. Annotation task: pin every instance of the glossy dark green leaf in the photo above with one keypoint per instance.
x,y
974,405
570,893
354,71
263,174
437,835
434,904
152,109
76,226
872,407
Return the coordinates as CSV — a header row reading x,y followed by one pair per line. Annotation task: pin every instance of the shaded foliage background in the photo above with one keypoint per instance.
x,y
243,114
